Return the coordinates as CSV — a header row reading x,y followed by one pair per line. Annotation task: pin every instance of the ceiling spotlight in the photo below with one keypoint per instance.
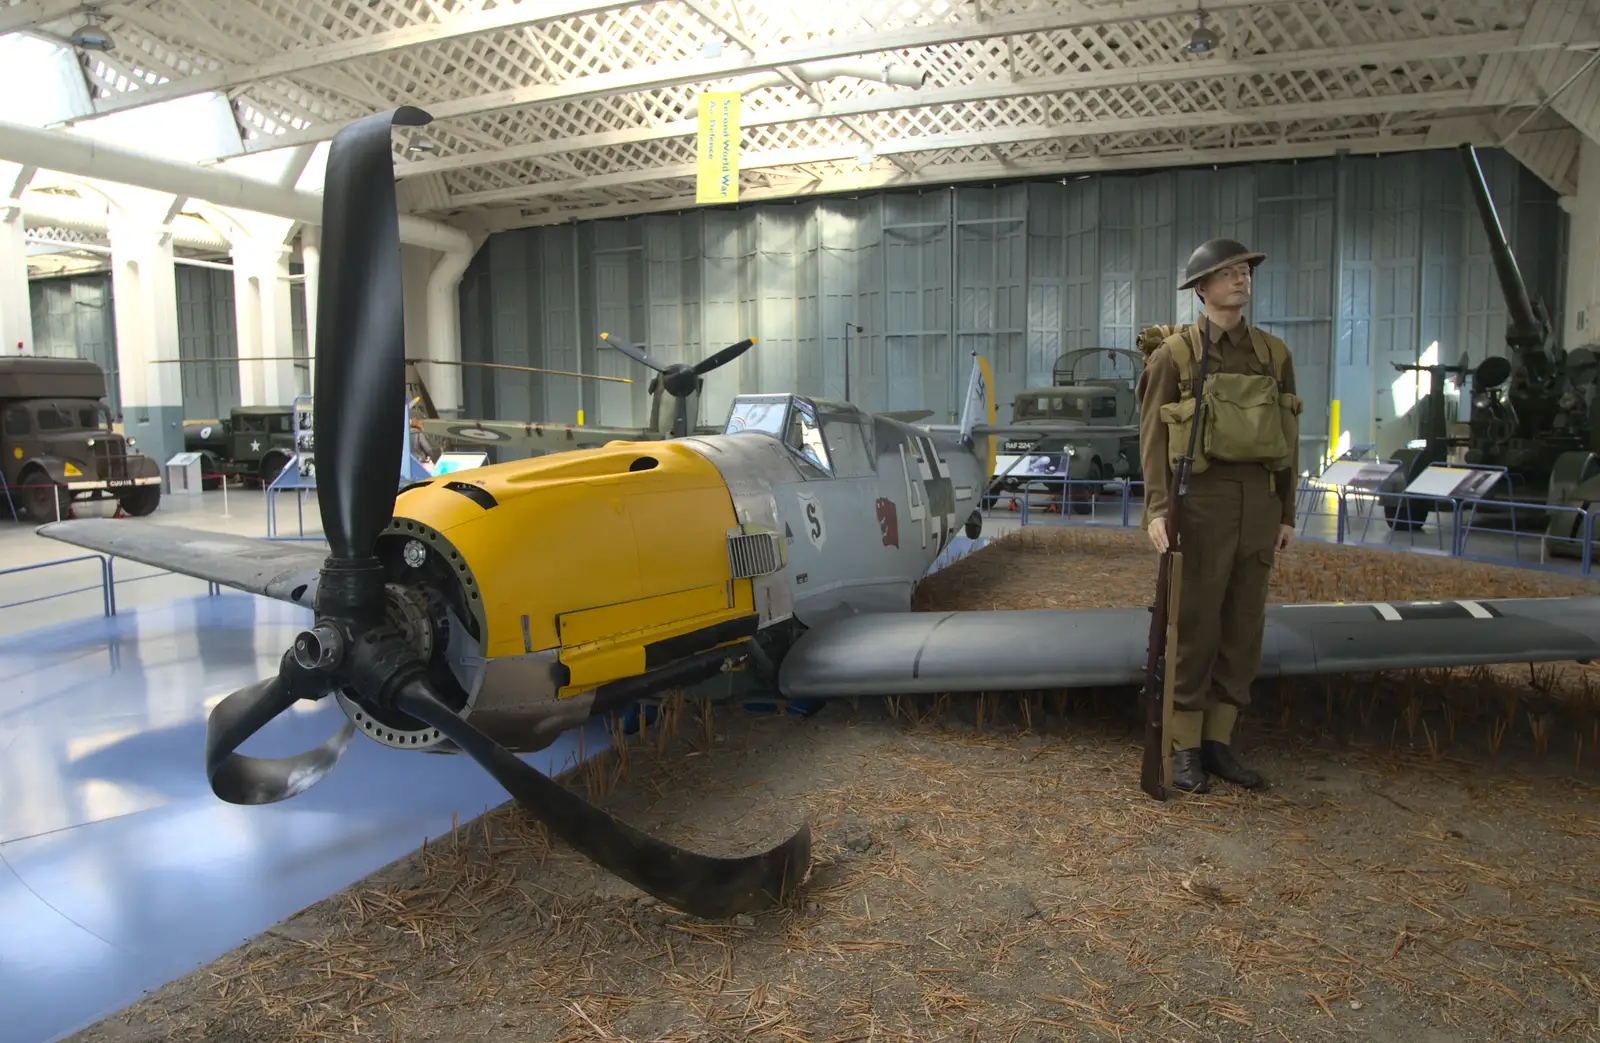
x,y
1204,39
91,36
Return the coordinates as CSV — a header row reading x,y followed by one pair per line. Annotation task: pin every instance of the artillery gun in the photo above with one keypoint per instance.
x,y
1526,416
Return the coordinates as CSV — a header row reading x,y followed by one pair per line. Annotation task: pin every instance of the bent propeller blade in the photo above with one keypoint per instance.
x,y
701,885
239,779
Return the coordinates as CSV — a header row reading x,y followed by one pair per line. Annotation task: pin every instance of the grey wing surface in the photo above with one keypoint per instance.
x,y
927,652
285,571
1048,430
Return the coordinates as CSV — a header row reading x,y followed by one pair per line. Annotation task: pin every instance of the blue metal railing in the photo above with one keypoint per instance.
x,y
107,585
1088,501
1115,502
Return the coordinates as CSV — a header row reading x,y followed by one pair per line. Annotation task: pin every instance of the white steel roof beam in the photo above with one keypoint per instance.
x,y
31,13
700,70
475,23
1466,45
945,173
785,74
1437,101
76,154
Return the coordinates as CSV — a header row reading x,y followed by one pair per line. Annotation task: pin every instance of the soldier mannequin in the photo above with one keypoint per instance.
x,y
1238,515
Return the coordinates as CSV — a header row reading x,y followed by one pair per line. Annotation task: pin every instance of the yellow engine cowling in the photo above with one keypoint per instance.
x,y
616,555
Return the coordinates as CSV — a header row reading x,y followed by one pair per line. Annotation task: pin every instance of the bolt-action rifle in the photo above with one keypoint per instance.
x,y
1155,772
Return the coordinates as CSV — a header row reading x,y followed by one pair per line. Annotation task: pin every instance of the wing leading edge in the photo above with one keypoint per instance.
x,y
928,652
281,570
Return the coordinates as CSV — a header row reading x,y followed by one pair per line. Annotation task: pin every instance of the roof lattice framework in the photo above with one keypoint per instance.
x,y
550,110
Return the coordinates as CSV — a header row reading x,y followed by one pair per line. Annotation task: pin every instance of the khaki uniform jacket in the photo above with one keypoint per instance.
x,y
1158,385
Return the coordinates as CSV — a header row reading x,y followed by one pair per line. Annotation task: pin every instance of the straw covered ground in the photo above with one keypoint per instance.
x,y
1421,869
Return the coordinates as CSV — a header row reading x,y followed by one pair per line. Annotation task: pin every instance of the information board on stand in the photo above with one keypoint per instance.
x,y
1362,476
449,463
300,472
1455,483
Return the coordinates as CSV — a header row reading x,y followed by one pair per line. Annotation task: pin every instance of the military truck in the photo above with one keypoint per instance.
x,y
252,442
1104,413
58,445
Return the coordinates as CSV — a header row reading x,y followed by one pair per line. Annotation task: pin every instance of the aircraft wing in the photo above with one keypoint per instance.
x,y
931,652
281,569
530,435
1043,430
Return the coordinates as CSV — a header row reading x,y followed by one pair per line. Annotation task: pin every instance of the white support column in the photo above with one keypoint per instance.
x,y
1582,311
311,264
444,331
16,310
262,315
247,328
263,319
146,309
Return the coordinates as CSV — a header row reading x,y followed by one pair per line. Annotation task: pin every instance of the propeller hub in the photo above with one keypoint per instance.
x,y
320,648
680,380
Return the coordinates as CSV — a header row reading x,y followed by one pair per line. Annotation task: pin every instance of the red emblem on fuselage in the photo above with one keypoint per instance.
x,y
888,523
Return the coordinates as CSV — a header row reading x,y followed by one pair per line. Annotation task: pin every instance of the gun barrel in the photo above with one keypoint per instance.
x,y
1526,328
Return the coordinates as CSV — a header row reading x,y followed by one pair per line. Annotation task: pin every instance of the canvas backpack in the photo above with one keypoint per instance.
x,y
1248,418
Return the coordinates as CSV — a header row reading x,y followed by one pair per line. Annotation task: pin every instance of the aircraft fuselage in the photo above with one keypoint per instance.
x,y
560,586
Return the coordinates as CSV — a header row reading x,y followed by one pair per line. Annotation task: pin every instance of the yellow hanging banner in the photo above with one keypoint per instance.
x,y
717,176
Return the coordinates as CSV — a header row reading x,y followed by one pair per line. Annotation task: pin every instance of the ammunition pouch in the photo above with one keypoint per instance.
x,y
1248,417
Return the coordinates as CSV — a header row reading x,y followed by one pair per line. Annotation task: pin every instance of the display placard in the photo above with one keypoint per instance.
x,y
1355,474
449,463
1462,483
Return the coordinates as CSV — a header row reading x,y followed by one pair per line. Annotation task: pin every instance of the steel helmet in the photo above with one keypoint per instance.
x,y
1215,255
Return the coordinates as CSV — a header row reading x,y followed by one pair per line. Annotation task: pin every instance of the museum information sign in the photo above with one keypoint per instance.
x,y
717,173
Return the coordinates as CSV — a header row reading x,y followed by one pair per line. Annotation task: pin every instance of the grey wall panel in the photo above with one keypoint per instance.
x,y
840,272
918,241
1370,259
1119,261
1293,291
725,321
299,325
208,340
478,343
556,295
73,318
1155,258
991,266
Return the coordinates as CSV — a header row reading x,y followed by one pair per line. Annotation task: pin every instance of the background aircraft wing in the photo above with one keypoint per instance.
x,y
929,652
1042,430
529,435
279,569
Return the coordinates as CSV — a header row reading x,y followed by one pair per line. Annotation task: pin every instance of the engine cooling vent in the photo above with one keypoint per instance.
x,y
754,554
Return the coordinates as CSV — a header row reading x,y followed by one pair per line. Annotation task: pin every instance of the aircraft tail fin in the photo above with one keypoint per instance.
x,y
978,409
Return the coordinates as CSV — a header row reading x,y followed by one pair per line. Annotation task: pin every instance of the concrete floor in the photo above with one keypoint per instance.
x,y
118,868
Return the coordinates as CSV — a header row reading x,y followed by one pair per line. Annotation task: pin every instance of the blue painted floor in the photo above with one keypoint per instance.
x,y
119,871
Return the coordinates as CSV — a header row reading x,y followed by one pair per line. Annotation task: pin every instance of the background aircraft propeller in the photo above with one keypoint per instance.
x,y
679,379
357,645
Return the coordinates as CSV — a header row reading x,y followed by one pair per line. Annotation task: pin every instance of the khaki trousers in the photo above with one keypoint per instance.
x,y
1230,521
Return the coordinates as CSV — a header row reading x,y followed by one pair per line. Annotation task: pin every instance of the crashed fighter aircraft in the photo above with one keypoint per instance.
x,y
487,611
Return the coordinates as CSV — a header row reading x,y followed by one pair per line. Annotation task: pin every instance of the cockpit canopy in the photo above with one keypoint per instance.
x,y
833,438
